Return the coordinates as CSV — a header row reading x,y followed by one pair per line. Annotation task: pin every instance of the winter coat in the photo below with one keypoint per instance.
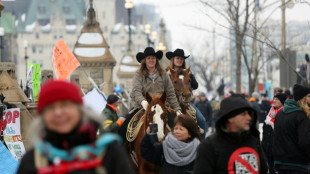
x,y
154,153
161,83
194,83
205,108
110,119
291,146
231,152
256,107
47,143
265,107
268,134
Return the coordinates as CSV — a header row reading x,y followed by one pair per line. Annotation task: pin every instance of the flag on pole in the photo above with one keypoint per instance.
x,y
35,80
29,83
63,60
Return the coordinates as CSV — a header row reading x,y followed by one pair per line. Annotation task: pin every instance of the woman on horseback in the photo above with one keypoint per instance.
x,y
177,63
150,78
177,153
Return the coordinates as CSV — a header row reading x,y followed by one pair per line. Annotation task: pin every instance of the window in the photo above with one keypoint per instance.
x,y
55,35
41,9
37,35
40,49
66,9
34,49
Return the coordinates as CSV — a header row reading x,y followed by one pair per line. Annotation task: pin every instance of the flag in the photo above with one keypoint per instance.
x,y
35,80
63,60
29,83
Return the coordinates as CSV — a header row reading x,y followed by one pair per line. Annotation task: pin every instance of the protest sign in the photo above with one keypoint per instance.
x,y
95,101
8,164
12,135
63,60
35,80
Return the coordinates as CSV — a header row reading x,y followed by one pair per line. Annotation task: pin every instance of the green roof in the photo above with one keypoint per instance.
x,y
45,9
7,21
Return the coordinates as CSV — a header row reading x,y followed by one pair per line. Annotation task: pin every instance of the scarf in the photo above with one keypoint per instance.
x,y
80,152
179,153
272,115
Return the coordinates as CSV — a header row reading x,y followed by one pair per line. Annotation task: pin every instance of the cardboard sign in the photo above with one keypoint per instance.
x,y
12,135
63,60
95,101
9,165
35,80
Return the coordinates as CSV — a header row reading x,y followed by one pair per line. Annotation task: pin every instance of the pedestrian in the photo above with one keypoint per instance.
x,y
291,147
112,121
150,78
205,108
177,63
268,134
177,153
265,106
215,105
235,146
65,138
254,103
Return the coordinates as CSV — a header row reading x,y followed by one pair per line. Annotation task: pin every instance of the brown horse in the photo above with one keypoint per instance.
x,y
182,85
155,113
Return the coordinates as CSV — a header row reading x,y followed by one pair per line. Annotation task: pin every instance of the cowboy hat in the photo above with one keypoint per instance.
x,y
149,51
177,52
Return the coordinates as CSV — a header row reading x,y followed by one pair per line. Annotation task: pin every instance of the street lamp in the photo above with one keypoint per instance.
x,y
26,57
147,29
129,6
161,46
1,42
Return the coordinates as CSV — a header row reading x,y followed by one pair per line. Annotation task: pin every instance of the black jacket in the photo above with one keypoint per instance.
x,y
194,83
220,152
224,152
265,107
154,154
292,138
115,161
205,108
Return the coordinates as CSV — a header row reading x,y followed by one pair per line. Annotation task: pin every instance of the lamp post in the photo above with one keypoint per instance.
x,y
1,43
147,30
26,56
129,6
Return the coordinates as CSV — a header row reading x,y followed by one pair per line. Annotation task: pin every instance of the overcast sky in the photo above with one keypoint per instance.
x,y
178,14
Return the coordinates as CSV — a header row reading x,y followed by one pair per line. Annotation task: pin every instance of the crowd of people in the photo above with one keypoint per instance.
x,y
70,138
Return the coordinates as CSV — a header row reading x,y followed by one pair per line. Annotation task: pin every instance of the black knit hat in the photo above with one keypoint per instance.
x,y
281,96
112,99
300,91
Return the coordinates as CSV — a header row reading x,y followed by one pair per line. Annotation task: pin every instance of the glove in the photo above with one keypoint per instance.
x,y
122,118
144,104
119,122
178,112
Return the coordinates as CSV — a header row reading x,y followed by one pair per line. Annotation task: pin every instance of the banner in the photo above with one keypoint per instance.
x,y
8,164
95,101
63,60
12,135
35,80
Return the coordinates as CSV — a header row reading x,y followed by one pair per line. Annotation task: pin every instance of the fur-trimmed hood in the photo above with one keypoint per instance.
x,y
38,128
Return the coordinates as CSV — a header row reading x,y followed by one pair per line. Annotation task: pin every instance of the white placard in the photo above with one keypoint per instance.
x,y
12,134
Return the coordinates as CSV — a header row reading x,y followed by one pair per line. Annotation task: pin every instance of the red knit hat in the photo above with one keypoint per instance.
x,y
56,90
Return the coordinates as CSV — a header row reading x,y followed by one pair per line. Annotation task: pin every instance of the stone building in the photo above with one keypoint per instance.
x,y
45,22
92,51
